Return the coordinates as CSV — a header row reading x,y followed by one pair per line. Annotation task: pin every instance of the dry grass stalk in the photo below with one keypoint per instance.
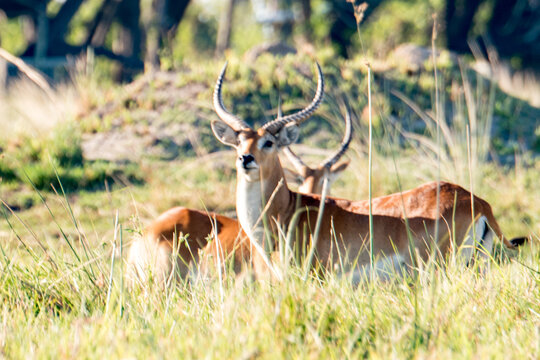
x,y
29,71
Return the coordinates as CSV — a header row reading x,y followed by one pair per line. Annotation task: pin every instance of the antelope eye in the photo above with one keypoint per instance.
x,y
268,144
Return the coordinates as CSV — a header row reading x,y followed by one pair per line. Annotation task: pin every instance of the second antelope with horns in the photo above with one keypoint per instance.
x,y
262,191
454,205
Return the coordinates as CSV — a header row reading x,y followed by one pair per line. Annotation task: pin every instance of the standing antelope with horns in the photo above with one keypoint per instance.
x,y
262,191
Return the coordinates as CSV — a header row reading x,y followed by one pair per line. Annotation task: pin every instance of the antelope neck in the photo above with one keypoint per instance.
x,y
252,197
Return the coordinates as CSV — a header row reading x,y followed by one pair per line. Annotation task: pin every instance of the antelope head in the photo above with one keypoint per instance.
x,y
311,178
257,149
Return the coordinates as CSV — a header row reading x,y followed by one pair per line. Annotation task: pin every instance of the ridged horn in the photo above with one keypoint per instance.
x,y
232,120
328,163
295,160
275,125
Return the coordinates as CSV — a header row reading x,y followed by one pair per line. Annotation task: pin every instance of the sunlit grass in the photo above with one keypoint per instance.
x,y
56,265
453,312
459,313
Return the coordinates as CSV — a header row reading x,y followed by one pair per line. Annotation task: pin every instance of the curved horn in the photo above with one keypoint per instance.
x,y
328,163
295,160
233,121
299,117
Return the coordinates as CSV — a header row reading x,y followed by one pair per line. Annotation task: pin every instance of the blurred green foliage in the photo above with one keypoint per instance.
x,y
252,91
77,29
42,161
395,22
11,35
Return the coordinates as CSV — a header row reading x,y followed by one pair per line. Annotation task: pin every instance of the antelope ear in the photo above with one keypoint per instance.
x,y
287,135
338,168
336,171
225,133
293,177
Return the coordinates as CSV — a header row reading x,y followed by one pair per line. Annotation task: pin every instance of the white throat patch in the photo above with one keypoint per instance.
x,y
249,208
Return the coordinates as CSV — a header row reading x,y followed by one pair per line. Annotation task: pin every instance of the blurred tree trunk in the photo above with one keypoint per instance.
x,y
102,23
46,36
49,33
225,28
343,22
129,14
459,15
306,17
153,35
128,42
42,40
59,24
166,16
514,30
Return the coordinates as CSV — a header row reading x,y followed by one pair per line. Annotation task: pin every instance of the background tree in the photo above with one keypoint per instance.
x,y
512,27
118,31
225,28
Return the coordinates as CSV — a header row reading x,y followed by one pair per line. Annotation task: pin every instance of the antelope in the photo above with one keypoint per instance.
x,y
158,246
420,202
311,179
262,192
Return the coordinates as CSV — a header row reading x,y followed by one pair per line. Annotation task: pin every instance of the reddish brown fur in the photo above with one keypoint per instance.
x,y
164,232
455,207
345,224
421,202
352,228
420,207
349,220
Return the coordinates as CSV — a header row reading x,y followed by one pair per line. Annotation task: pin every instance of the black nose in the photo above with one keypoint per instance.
x,y
246,159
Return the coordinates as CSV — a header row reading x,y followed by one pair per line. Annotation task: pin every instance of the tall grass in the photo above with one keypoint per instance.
x,y
62,269
467,315
468,113
454,312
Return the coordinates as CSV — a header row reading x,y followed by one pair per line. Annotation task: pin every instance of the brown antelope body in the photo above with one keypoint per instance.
x,y
344,228
453,209
154,252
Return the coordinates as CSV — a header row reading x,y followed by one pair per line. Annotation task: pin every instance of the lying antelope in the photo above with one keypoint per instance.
x,y
262,192
311,179
154,252
453,208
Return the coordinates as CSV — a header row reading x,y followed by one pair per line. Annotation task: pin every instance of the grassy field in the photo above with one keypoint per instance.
x,y
63,249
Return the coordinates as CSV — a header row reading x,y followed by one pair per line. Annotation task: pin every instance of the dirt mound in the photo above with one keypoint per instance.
x,y
155,117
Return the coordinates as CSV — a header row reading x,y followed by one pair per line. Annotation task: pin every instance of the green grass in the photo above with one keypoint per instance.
x,y
44,162
56,294
455,313
449,313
